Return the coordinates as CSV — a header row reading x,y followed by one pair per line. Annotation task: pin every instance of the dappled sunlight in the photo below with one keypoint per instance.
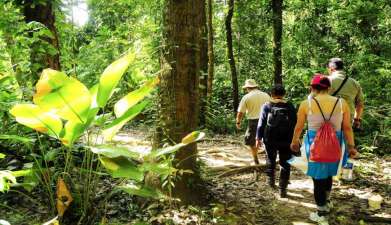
x,y
301,223
301,184
297,203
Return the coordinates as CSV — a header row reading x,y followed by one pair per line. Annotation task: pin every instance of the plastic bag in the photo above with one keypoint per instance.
x,y
300,162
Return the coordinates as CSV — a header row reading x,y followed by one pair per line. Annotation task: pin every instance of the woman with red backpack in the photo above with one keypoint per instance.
x,y
329,131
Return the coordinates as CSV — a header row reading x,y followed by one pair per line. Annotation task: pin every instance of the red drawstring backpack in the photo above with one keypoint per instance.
x,y
326,147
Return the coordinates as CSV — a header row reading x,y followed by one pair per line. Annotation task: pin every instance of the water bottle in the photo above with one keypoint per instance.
x,y
347,170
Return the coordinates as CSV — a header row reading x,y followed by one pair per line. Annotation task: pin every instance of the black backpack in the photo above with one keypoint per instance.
x,y
279,126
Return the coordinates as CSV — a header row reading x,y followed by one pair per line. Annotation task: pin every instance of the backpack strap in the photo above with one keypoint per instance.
x,y
340,86
320,109
309,105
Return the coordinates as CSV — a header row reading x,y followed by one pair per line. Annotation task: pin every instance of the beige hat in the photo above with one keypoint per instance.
x,y
250,83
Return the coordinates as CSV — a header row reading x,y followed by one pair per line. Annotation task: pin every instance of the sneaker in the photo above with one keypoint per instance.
x,y
321,220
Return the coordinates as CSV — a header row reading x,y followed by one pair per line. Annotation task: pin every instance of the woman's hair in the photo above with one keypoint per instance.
x,y
320,82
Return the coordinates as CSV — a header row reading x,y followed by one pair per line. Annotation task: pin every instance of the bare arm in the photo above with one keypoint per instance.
x,y
359,110
348,131
239,118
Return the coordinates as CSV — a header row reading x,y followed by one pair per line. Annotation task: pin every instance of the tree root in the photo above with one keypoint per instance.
x,y
243,169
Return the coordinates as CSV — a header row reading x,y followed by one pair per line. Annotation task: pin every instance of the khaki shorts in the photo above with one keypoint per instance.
x,y
251,132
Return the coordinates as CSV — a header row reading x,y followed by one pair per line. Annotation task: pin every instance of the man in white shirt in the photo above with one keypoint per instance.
x,y
251,105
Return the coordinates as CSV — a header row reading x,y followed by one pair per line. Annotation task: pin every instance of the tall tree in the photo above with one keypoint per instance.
x,y
204,66
277,38
210,49
43,12
179,86
230,53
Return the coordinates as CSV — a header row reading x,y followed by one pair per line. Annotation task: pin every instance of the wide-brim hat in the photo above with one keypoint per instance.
x,y
250,83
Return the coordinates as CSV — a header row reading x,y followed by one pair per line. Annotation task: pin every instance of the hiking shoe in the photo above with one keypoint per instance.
x,y
321,220
283,193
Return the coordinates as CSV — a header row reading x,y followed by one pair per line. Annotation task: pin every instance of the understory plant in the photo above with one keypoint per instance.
x,y
67,111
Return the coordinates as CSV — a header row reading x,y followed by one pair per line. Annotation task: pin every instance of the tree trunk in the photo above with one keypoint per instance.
x,y
42,12
277,38
179,86
211,64
204,67
231,59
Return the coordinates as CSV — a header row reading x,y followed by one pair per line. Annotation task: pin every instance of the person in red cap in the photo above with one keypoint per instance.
x,y
314,111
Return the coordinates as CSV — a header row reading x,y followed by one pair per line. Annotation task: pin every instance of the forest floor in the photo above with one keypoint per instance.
x,y
240,198
235,196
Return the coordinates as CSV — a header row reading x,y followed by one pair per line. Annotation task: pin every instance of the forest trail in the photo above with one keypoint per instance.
x,y
241,199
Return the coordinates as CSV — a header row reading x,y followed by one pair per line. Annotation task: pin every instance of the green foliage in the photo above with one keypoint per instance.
x,y
123,163
313,32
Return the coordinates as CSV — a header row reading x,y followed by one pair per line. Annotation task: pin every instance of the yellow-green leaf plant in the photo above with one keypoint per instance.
x,y
65,109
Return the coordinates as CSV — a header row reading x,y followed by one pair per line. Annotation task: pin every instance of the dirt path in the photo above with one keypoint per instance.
x,y
241,199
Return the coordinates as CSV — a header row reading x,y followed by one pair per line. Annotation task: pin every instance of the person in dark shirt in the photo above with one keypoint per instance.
x,y
275,129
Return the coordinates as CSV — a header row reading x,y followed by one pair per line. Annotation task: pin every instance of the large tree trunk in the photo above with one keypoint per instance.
x,y
231,59
277,38
204,67
43,12
179,87
211,64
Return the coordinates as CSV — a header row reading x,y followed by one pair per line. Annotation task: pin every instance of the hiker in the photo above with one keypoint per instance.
x,y
250,105
347,88
275,128
316,111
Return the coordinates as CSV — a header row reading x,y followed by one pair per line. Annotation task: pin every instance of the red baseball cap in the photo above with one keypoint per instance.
x,y
321,80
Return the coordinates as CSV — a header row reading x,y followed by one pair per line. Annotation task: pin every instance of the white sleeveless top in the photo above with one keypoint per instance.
x,y
326,102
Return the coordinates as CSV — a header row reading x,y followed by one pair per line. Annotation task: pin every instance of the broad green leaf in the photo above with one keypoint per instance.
x,y
134,97
50,80
91,116
118,123
6,178
22,173
94,109
31,179
71,100
100,120
2,156
121,167
111,76
143,191
161,168
190,138
34,117
16,138
51,155
193,137
167,150
110,151
73,130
